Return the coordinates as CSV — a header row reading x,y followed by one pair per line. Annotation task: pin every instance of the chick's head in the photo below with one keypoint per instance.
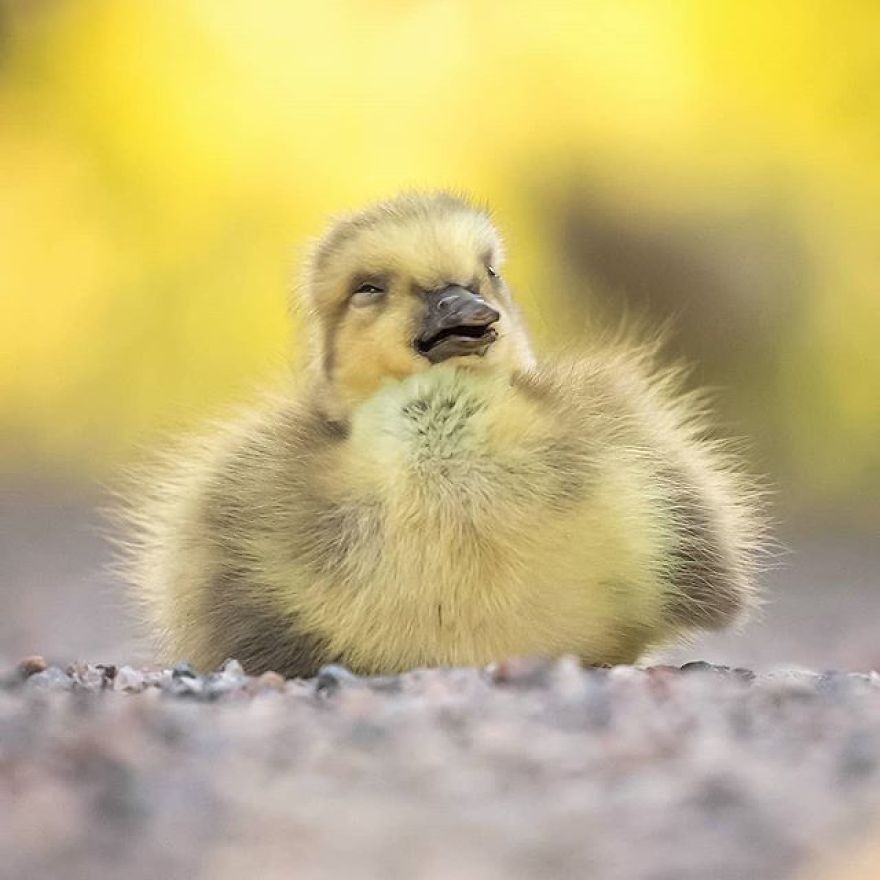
x,y
404,286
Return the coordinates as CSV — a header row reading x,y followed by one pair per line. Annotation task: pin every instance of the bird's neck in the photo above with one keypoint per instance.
x,y
450,428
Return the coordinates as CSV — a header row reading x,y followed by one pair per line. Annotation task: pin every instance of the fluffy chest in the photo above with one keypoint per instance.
x,y
463,529
456,578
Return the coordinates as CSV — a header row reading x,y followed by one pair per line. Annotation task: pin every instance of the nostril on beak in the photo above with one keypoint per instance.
x,y
473,311
455,305
488,314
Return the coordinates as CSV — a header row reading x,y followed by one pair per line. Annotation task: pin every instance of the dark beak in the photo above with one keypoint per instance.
x,y
456,322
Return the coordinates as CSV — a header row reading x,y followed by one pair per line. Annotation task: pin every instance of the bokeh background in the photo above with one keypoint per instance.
x,y
714,165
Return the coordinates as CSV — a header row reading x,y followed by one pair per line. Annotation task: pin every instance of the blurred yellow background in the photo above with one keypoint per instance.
x,y
162,164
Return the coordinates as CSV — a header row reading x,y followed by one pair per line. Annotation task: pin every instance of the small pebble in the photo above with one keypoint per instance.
x,y
193,686
108,671
567,678
703,666
229,679
183,670
233,669
87,677
158,678
386,684
271,681
128,679
520,671
331,678
32,665
53,678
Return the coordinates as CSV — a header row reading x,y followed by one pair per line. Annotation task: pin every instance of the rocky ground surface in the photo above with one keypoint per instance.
x,y
523,770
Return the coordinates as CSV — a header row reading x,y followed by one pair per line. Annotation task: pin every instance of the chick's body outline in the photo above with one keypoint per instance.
x,y
452,513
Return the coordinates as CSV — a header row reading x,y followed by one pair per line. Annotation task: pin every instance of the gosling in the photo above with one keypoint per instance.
x,y
426,492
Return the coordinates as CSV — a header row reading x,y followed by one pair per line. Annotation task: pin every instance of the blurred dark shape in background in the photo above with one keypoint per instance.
x,y
726,286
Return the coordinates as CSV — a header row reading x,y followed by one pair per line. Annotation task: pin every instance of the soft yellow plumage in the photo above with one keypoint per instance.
x,y
427,493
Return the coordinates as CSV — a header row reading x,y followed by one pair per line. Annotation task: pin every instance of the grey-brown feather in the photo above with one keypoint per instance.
x,y
709,584
236,624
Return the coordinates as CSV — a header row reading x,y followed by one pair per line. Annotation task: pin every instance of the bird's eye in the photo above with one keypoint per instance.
x,y
366,293
493,272
369,288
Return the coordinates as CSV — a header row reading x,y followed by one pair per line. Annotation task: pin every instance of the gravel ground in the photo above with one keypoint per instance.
x,y
523,770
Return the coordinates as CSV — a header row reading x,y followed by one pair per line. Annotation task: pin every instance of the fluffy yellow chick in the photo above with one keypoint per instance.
x,y
428,492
